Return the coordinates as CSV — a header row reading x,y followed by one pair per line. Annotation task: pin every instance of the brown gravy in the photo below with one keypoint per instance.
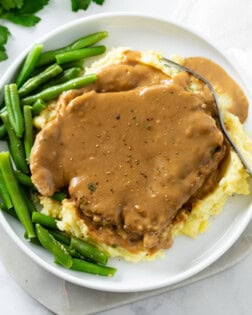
x,y
133,149
222,83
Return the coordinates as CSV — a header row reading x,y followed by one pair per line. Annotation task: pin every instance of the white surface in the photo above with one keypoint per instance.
x,y
228,293
69,299
228,23
186,257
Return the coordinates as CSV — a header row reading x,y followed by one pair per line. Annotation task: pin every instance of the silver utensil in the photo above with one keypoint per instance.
x,y
170,63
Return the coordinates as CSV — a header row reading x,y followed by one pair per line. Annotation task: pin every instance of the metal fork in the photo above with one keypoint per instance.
x,y
169,63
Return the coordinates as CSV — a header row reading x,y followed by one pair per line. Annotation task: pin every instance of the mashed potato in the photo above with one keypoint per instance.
x,y
234,179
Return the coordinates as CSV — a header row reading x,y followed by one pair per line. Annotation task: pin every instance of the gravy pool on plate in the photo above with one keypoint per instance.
x,y
136,150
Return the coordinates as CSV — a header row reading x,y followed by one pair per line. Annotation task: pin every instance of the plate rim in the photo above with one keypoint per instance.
x,y
56,270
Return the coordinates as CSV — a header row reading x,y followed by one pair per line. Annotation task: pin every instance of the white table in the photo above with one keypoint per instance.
x,y
228,23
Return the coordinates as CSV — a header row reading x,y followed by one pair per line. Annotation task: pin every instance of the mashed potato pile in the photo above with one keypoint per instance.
x,y
234,179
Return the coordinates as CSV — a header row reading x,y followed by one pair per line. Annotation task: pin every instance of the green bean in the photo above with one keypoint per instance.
x,y
65,66
65,239
15,194
36,81
38,70
44,220
67,75
38,107
24,179
78,64
2,131
74,253
89,251
84,266
15,146
89,40
62,237
10,211
59,196
33,240
28,135
13,109
49,56
100,2
4,194
54,91
74,64
29,64
61,256
3,110
74,55
32,208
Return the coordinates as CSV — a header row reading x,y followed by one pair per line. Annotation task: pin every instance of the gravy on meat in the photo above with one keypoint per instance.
x,y
133,149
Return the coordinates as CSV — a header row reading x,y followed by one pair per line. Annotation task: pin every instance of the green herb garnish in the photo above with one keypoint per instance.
x,y
83,4
148,127
92,187
4,34
23,12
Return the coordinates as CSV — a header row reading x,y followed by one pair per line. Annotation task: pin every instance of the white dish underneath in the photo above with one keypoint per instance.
x,y
187,257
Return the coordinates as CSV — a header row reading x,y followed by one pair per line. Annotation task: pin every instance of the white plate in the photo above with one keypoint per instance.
x,y
187,256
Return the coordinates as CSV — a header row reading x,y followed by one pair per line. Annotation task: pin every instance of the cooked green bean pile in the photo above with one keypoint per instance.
x,y
43,77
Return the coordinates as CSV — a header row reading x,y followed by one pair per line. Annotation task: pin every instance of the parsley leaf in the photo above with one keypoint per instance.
x,y
11,4
22,11
80,5
3,55
83,4
33,6
100,2
22,19
92,187
4,34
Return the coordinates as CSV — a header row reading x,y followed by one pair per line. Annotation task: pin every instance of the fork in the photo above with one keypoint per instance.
x,y
170,63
